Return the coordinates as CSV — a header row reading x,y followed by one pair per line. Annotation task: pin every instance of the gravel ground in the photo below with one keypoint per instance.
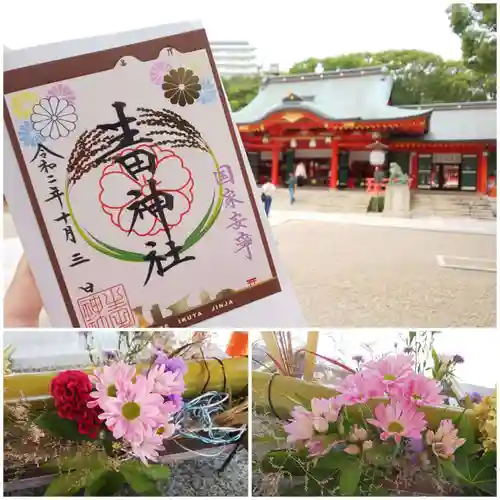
x,y
358,276
200,478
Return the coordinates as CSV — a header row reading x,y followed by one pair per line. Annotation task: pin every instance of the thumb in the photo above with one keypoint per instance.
x,y
22,302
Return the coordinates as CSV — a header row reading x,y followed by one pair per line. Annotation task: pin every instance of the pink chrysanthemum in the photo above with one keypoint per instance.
x,y
389,369
398,419
149,447
105,381
361,387
417,389
166,382
134,411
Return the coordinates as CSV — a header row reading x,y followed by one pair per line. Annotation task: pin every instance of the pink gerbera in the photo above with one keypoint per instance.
x,y
361,387
390,369
134,411
105,381
417,389
398,420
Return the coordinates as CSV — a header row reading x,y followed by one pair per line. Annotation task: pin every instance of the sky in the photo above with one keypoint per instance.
x,y
471,344
281,31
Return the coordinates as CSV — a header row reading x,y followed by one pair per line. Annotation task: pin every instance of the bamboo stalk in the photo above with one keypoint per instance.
x,y
277,394
310,358
36,385
272,348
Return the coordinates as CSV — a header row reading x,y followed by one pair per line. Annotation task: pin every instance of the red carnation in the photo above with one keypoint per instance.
x,y
71,392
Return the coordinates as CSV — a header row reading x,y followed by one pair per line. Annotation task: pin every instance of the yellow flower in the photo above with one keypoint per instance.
x,y
7,364
486,415
22,104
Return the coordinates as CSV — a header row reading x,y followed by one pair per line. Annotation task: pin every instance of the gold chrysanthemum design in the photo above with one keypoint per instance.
x,y
181,86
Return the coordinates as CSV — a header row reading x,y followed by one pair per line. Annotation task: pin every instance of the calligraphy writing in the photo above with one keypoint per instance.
x,y
127,137
45,166
77,259
156,260
243,239
244,243
154,203
224,176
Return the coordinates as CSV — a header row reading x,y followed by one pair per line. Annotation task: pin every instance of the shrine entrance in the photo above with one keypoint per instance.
x,y
445,177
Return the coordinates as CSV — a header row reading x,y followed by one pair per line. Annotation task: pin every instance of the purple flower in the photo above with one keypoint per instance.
x,y
176,399
171,364
475,397
457,359
415,447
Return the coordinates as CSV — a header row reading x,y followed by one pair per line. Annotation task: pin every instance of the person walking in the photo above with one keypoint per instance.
x,y
292,182
268,190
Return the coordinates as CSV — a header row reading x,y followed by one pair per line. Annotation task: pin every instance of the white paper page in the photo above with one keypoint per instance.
x,y
276,310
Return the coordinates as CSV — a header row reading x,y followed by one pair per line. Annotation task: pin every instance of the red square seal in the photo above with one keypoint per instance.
x,y
108,308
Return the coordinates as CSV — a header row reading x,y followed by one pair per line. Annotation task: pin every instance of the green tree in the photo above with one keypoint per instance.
x,y
241,90
476,25
419,77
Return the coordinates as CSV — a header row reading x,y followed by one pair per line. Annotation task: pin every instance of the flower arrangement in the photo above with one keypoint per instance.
x,y
385,431
104,426
103,431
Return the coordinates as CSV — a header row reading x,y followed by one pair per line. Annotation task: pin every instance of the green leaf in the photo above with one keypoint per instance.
x,y
141,483
96,480
336,459
113,483
471,473
466,431
350,474
67,484
60,427
157,472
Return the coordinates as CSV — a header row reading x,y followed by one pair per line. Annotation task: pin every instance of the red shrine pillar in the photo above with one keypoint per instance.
x,y
275,168
334,166
482,173
414,170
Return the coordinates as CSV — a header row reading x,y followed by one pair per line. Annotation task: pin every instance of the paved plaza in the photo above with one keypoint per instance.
x,y
369,274
360,270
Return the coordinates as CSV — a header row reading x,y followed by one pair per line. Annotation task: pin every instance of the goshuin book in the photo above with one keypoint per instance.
x,y
137,182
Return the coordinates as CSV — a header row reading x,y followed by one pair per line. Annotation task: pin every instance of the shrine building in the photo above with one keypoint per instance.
x,y
332,121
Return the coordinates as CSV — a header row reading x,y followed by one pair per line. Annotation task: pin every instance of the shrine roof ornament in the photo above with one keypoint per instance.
x,y
291,97
354,94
